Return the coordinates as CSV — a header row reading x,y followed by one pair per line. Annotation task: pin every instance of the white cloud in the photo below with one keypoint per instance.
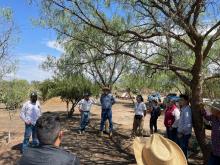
x,y
29,67
35,57
55,45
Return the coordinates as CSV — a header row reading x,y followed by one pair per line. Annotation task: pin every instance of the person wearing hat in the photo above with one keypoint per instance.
x,y
30,112
106,100
157,150
214,117
140,112
84,107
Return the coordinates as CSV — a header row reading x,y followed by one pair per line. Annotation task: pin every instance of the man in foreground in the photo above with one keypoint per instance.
x,y
49,134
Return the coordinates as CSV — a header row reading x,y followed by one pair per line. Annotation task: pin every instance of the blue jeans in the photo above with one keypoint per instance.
x,y
183,143
172,134
29,130
214,160
106,114
84,120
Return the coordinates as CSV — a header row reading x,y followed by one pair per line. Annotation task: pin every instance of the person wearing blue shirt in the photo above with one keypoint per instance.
x,y
107,100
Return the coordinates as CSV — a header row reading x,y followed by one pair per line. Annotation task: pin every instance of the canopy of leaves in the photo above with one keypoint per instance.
x,y
14,93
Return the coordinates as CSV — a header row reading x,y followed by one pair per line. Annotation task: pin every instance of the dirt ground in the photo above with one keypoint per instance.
x,y
90,148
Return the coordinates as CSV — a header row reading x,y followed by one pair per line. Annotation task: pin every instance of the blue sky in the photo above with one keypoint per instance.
x,y
34,44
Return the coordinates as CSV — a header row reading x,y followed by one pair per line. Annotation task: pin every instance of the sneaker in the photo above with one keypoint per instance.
x,y
110,134
101,133
83,132
80,132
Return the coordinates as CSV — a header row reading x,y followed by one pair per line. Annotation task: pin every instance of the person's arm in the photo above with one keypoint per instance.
x,y
187,121
22,114
80,105
176,114
113,100
145,109
39,112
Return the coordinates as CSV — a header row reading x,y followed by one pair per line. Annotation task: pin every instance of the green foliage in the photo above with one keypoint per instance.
x,y
14,93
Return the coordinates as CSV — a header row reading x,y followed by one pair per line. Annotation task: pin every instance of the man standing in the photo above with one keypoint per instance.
x,y
185,123
50,135
30,112
85,107
107,100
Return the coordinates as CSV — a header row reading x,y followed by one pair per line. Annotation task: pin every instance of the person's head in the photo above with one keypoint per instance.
x,y
106,90
49,129
184,100
155,102
215,108
139,98
86,96
33,97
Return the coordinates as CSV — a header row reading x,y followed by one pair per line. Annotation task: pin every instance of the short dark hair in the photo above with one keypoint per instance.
x,y
48,127
185,97
139,96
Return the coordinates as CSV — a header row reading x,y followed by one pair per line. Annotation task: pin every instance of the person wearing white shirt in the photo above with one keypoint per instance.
x,y
30,112
185,123
85,107
140,112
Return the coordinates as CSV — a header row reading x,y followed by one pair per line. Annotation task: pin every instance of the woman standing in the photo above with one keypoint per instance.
x,y
172,115
140,112
155,113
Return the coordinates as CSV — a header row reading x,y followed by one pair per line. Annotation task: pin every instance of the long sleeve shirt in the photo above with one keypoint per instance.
x,y
185,121
176,114
30,112
85,105
107,100
215,136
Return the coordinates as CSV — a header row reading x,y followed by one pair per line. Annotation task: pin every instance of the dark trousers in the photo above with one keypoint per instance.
x,y
214,160
153,124
172,134
106,114
183,143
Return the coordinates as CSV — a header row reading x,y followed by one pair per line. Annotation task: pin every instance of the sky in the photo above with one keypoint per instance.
x,y
34,43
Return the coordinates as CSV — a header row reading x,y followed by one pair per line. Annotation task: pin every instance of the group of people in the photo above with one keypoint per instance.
x,y
47,134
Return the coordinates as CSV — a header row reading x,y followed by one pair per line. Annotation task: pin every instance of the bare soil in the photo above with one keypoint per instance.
x,y
90,148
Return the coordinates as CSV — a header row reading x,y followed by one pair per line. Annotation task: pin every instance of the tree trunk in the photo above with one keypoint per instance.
x,y
196,88
70,113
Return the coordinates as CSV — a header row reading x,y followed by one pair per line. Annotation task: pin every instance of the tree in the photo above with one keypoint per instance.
x,y
70,89
83,57
155,26
14,93
7,65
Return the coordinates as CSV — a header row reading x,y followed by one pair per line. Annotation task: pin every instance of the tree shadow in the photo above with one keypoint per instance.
x,y
92,149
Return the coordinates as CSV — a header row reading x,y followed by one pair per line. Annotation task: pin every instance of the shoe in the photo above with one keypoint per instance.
x,y
110,134
101,133
83,132
80,132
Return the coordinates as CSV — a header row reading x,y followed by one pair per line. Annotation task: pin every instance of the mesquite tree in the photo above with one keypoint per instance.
x,y
148,30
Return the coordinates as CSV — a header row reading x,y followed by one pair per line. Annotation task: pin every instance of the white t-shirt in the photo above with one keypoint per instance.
x,y
139,108
85,105
30,112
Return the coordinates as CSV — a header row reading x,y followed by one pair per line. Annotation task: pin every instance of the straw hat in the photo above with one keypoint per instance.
x,y
106,88
157,150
